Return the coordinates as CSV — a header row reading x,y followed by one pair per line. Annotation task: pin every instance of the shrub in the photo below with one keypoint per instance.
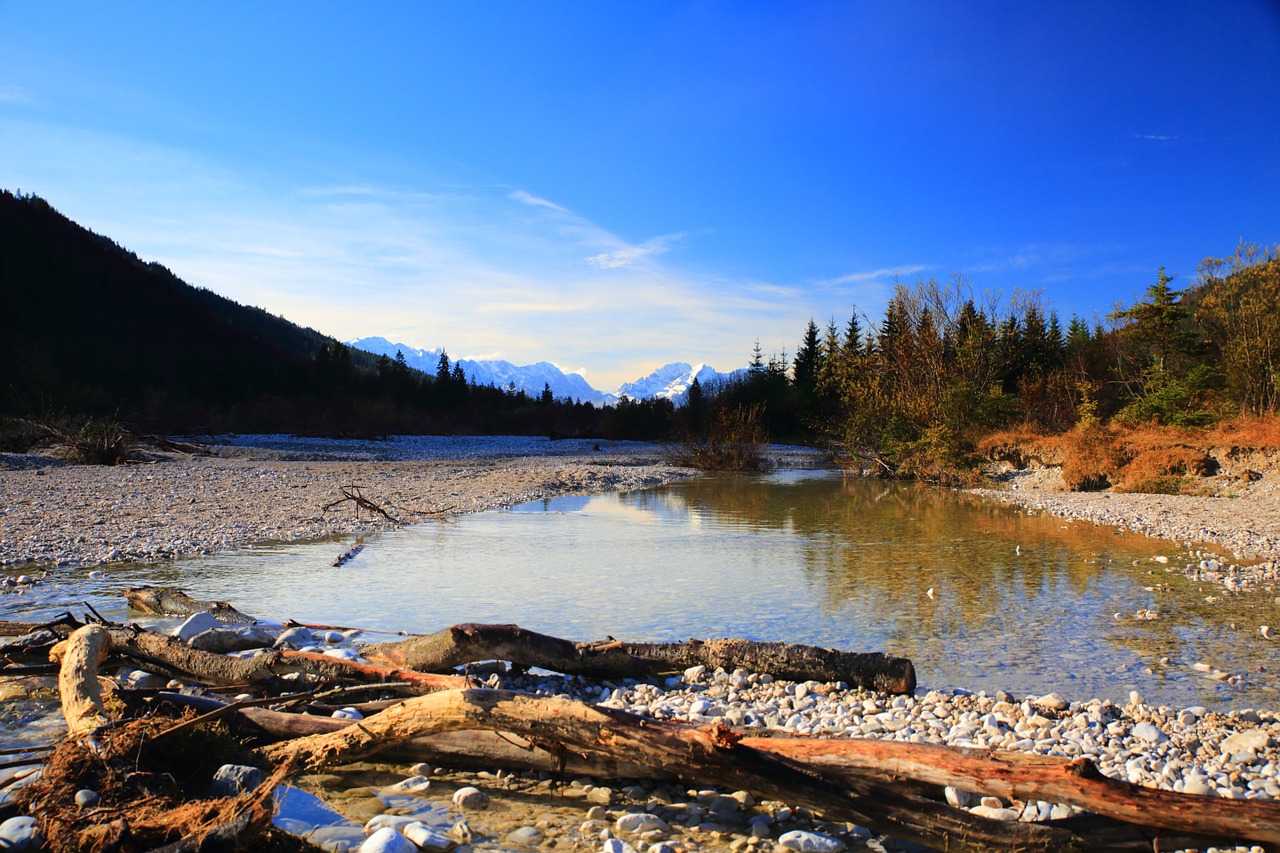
x,y
734,442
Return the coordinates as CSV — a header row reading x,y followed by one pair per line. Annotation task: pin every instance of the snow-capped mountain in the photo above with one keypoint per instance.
x,y
530,378
672,381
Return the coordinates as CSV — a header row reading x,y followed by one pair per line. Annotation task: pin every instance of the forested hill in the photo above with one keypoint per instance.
x,y
89,330
89,327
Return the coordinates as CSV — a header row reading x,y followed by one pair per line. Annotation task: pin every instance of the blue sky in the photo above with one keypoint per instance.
x,y
611,186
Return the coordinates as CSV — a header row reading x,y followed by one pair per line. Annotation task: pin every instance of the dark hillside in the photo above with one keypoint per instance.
x,y
88,327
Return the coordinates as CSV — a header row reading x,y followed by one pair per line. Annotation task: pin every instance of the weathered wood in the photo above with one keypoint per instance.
x,y
790,661
469,642
152,648
170,601
1024,776
78,680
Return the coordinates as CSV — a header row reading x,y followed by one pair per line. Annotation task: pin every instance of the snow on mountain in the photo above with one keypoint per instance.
x,y
672,381
530,378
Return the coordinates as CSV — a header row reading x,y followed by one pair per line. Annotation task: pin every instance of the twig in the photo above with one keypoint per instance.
x,y
352,493
227,709
293,623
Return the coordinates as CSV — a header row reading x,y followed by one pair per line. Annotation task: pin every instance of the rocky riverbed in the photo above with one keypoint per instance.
x,y
261,489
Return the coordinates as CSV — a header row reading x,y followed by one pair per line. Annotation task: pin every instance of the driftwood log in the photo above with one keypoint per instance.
x,y
169,601
175,657
470,642
465,643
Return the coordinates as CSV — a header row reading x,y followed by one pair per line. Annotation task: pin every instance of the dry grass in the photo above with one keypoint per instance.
x,y
735,442
1144,458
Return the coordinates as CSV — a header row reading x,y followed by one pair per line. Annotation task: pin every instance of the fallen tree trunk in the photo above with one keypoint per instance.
x,y
469,642
698,754
1024,777
150,648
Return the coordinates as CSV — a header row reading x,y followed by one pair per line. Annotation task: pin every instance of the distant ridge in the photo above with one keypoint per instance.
x,y
669,382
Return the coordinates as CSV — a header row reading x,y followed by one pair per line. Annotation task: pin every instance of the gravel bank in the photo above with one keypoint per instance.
x,y
1241,517
258,489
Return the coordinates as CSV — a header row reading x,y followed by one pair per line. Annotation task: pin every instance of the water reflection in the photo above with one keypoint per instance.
x,y
1020,602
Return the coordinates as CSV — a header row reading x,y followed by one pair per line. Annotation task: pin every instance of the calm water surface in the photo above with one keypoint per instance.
x,y
1021,602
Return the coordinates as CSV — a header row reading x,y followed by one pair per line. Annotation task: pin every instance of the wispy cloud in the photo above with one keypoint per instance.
x,y
533,201
629,255
874,275
1159,137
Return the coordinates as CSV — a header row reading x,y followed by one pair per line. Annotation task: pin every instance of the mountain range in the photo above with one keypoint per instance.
x,y
671,381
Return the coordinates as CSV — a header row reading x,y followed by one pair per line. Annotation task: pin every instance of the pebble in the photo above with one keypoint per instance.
x,y
810,842
470,798
637,823
427,837
20,833
196,623
387,840
87,799
525,836
616,845
232,780
347,714
412,785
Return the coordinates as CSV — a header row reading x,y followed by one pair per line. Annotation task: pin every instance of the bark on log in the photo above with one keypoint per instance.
x,y
465,643
170,601
1023,776
694,755
151,648
78,680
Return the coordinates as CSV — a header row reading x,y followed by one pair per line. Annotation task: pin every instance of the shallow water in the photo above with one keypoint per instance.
x,y
1022,603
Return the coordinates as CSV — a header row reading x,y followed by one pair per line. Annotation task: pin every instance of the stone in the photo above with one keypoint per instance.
x,y
693,673
412,785
197,623
295,638
959,799
387,840
810,842
601,795
994,813
1254,740
636,823
661,847
1149,732
525,836
1053,702
1198,787
224,640
1136,698
20,833
347,714
597,813
427,837
616,845
470,798
397,822
87,799
232,780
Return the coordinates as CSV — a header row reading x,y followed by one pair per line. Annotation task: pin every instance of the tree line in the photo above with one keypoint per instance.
x,y
913,393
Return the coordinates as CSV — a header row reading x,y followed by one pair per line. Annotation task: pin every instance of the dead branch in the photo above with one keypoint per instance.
x,y
352,493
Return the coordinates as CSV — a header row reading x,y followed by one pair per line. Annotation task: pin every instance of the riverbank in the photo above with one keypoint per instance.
x,y
258,489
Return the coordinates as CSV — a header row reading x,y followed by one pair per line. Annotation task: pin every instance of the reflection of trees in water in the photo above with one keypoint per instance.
x,y
870,550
